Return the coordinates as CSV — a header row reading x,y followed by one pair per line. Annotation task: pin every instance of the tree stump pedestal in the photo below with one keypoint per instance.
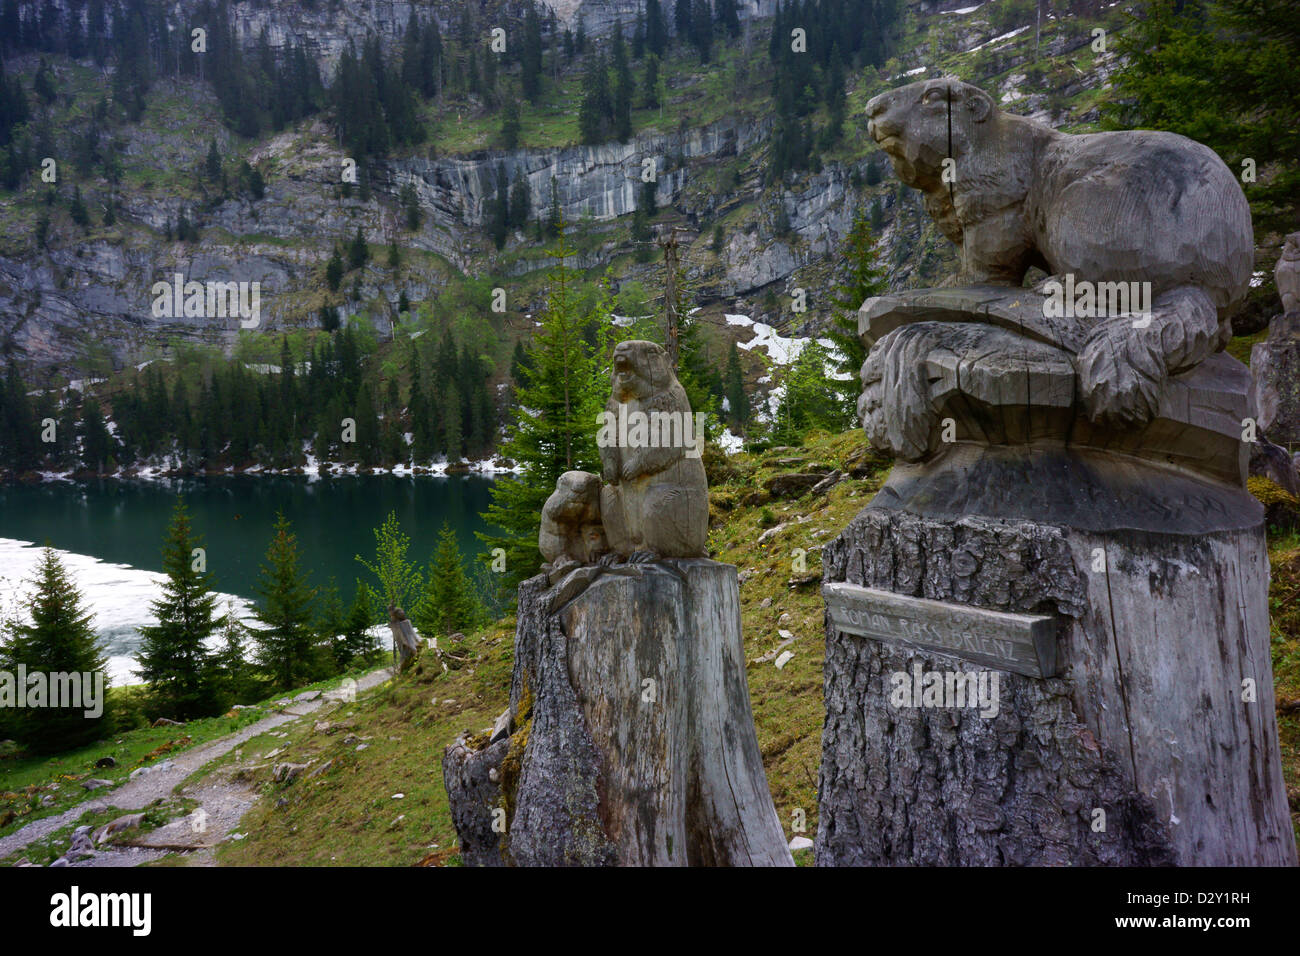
x,y
1138,730
633,741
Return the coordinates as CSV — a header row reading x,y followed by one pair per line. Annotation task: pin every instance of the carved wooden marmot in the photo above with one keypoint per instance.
x,y
656,500
1287,274
1133,206
571,526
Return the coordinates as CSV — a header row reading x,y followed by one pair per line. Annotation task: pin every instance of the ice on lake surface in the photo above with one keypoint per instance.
x,y
117,594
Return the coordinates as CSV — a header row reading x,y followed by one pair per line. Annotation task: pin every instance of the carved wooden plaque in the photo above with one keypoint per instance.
x,y
1020,643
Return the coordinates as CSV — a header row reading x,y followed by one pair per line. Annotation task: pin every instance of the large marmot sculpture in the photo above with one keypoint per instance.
x,y
1133,206
655,503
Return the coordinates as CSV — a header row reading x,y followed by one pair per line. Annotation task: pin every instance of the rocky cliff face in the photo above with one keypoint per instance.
x,y
598,16
777,236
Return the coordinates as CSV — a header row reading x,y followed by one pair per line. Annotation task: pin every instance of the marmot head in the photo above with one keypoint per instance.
x,y
579,493
640,370
911,124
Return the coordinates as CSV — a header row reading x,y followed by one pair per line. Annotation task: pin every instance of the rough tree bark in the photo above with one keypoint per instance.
x,y
634,743
1145,722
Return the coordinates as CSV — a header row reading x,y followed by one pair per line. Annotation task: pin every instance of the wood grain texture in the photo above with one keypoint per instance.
x,y
635,742
1145,723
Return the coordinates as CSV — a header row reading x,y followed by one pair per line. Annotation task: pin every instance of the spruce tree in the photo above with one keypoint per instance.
x,y
500,223
622,98
173,659
557,433
358,251
212,165
531,57
520,201
96,440
734,389
656,31
555,218
331,624
333,276
77,209
449,602
58,639
284,609
510,124
231,668
357,640
865,279
593,113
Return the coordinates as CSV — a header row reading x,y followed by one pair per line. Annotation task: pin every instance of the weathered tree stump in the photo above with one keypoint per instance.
x,y
634,742
404,637
1145,721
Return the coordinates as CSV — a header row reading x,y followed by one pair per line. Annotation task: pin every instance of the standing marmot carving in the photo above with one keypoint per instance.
x,y
1133,206
1287,274
655,503
656,500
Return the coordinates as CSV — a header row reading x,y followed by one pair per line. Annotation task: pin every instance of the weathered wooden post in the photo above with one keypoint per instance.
x,y
405,643
629,739
1047,634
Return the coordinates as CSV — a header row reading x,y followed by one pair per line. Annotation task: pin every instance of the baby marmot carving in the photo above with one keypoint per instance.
x,y
656,500
1132,206
571,532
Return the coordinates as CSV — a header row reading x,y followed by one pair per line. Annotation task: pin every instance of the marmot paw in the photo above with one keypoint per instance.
x,y
1112,386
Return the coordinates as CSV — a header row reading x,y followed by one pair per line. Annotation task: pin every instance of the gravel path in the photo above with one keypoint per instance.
x,y
223,801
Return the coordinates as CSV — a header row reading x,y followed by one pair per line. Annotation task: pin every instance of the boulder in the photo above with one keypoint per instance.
x,y
792,485
131,821
287,772
1275,380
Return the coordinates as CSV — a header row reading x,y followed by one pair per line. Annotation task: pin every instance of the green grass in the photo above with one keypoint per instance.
x,y
347,816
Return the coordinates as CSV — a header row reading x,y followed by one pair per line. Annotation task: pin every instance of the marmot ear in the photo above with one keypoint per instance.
x,y
979,103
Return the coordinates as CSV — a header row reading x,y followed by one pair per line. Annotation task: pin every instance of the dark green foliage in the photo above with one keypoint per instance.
x,y
57,639
1219,71
285,642
449,602
358,251
865,279
182,677
77,209
556,434
733,380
